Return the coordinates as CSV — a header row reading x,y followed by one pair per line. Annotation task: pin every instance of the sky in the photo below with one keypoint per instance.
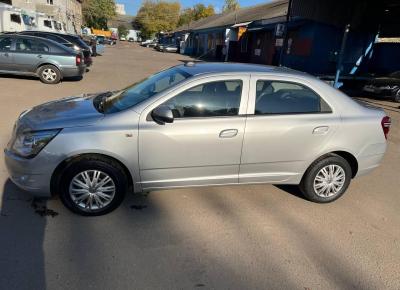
x,y
131,6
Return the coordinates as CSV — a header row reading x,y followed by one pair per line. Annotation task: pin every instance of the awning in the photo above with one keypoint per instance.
x,y
241,24
258,28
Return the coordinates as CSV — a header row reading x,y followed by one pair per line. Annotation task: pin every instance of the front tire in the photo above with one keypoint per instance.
x,y
93,186
326,179
49,74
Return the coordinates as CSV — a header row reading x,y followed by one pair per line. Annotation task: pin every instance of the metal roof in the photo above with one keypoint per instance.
x,y
248,14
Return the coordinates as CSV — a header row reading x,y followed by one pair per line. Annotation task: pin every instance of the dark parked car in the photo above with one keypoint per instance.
x,y
35,56
69,40
385,87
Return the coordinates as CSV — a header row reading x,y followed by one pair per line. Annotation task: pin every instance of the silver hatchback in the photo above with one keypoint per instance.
x,y
197,125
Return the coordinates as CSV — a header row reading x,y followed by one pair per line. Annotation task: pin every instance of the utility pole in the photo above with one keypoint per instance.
x,y
339,67
285,33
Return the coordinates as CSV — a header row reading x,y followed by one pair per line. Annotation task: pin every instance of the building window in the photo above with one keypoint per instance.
x,y
50,2
47,23
15,18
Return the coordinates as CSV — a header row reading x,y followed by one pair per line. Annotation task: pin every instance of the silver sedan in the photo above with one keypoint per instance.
x,y
197,124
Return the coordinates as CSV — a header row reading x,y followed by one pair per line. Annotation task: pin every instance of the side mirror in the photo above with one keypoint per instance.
x,y
162,114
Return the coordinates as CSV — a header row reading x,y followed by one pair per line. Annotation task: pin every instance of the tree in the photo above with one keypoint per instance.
x,y
97,12
197,12
230,5
122,31
156,16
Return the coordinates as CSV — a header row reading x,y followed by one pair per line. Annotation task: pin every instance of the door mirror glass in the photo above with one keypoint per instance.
x,y
162,114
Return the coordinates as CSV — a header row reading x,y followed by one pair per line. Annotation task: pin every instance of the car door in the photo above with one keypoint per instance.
x,y
203,145
288,125
6,54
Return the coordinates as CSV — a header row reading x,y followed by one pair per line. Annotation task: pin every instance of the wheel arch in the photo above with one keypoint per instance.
x,y
48,63
57,173
349,157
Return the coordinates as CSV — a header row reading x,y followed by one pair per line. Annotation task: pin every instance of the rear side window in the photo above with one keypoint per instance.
x,y
275,97
5,44
212,99
42,47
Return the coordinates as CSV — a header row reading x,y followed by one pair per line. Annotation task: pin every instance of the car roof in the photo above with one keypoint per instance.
x,y
201,68
52,42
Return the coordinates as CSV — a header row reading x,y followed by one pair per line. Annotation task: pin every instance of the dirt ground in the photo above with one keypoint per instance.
x,y
243,237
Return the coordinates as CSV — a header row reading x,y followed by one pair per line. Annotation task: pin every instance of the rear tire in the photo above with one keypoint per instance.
x,y
93,186
326,179
49,74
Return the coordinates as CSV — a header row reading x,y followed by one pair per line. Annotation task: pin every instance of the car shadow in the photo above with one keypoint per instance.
x,y
11,76
21,240
33,78
291,189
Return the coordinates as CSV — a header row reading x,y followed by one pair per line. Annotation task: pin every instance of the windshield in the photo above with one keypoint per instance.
x,y
143,90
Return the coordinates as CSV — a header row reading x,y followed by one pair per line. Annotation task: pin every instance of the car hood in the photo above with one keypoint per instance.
x,y
77,111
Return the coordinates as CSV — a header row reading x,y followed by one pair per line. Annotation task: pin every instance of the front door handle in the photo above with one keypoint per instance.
x,y
39,56
6,54
229,133
320,130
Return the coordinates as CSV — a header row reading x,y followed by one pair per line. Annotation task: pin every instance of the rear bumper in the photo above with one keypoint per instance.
x,y
370,158
73,71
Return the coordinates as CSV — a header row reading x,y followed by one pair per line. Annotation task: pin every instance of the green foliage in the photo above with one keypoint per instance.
x,y
97,12
122,31
156,16
197,12
230,5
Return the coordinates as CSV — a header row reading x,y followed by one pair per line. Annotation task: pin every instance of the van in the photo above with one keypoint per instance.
x,y
10,19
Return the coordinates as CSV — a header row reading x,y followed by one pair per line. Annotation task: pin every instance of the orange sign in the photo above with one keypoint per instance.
x,y
241,31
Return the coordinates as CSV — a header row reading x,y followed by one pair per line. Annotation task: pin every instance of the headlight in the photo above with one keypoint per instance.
x,y
29,144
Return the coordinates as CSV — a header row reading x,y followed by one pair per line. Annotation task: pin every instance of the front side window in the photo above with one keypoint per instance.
x,y
25,45
5,44
144,90
275,97
214,99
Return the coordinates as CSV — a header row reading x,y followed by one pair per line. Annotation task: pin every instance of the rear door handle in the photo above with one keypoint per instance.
x,y
229,133
39,56
321,130
6,54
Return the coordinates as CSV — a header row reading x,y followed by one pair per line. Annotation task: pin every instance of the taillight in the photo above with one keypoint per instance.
x,y
386,122
78,60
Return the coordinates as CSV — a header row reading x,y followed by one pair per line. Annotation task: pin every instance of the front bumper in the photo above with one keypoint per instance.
x,y
383,91
33,175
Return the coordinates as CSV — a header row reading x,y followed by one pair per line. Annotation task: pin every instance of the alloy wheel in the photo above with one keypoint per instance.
x,y
92,190
49,75
329,181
